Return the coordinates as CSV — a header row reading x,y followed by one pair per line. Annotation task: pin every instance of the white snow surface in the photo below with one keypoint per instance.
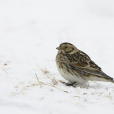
x,y
30,31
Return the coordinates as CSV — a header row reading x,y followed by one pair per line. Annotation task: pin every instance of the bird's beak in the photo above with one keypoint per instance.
x,y
58,48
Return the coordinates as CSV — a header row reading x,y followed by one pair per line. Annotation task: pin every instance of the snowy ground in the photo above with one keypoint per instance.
x,y
30,31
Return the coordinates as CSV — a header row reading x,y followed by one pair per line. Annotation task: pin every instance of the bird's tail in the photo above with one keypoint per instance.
x,y
104,79
112,80
109,79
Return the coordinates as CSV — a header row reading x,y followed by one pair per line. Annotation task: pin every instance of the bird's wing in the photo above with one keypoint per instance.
x,y
82,62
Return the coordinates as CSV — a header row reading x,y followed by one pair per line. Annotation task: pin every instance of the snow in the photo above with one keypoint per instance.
x,y
30,31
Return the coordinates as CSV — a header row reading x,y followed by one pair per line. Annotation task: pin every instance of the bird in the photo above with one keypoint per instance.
x,y
77,67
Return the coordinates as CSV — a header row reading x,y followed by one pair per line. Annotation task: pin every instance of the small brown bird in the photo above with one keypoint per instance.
x,y
77,67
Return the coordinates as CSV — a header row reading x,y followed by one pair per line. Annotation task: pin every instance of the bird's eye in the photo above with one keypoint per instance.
x,y
72,48
65,46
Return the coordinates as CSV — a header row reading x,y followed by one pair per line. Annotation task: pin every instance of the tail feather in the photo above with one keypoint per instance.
x,y
104,79
97,75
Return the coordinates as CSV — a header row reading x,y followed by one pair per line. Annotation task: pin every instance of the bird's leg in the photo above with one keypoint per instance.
x,y
67,84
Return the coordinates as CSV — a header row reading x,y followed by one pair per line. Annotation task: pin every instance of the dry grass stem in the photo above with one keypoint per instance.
x,y
38,80
77,96
4,70
54,87
53,80
41,83
44,71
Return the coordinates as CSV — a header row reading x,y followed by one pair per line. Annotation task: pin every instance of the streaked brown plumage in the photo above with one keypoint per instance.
x,y
76,66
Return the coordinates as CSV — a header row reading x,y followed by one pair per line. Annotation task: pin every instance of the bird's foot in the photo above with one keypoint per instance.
x,y
67,84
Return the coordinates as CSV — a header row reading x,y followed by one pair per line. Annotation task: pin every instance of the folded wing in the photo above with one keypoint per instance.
x,y
82,62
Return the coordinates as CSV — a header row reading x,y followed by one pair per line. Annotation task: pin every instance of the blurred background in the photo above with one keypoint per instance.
x,y
34,28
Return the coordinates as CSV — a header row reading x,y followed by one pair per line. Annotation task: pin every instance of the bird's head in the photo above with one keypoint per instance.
x,y
67,48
